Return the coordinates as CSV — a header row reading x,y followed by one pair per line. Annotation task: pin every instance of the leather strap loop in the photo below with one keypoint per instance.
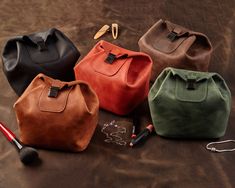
x,y
179,31
58,83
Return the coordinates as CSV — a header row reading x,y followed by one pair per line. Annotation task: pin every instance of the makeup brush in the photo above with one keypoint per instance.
x,y
27,154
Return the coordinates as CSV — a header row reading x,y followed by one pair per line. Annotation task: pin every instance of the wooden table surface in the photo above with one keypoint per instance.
x,y
157,163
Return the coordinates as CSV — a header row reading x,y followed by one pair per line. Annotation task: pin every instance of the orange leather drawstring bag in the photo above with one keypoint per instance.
x,y
120,77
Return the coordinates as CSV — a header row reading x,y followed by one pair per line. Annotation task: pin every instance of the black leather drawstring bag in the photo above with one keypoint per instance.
x,y
49,52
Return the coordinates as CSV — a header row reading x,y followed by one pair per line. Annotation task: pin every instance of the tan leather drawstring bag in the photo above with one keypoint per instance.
x,y
57,115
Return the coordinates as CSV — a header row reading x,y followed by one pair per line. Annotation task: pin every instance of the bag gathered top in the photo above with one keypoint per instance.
x,y
120,77
49,52
57,115
171,45
189,104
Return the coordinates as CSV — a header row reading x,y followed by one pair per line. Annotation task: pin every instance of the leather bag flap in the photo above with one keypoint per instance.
x,y
109,59
40,48
190,86
169,36
49,101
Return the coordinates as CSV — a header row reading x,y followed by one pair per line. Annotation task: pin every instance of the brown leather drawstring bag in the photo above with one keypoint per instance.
x,y
171,45
57,115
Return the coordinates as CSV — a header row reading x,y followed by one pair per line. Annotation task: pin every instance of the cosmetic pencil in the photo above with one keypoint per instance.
x,y
142,135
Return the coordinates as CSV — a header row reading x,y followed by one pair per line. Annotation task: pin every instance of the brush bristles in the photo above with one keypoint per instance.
x,y
28,155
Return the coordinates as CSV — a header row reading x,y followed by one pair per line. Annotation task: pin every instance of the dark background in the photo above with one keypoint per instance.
x,y
157,163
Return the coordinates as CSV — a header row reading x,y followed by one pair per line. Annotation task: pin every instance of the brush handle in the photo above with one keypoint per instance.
x,y
9,135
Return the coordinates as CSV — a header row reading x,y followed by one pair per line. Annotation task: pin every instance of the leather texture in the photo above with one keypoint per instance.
x,y
49,52
64,122
189,104
120,85
171,45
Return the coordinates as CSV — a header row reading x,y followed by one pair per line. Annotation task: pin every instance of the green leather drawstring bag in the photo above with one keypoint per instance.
x,y
189,104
